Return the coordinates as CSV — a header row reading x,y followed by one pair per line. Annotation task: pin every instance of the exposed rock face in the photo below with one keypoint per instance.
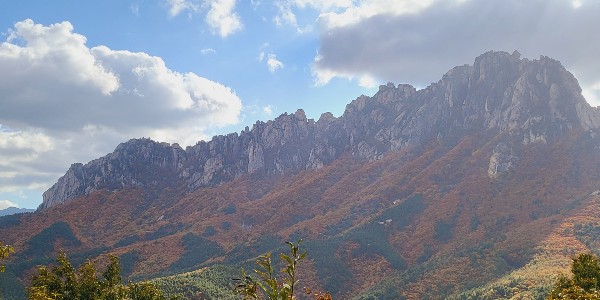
x,y
134,163
530,100
501,161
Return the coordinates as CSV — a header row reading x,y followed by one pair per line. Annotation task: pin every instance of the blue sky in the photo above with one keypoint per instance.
x,y
79,77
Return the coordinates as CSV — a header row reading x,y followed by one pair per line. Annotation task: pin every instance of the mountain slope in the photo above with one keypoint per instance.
x,y
409,193
534,100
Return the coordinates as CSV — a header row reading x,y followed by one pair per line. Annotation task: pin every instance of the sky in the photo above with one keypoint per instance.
x,y
79,77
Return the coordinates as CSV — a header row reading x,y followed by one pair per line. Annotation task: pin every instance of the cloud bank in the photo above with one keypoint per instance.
x,y
64,102
418,41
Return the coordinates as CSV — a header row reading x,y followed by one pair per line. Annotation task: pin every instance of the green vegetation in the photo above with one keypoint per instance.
x,y
209,231
585,282
197,251
373,239
589,234
10,220
5,251
333,272
385,293
247,251
503,290
11,287
42,244
267,285
210,283
62,282
128,261
403,213
230,209
443,231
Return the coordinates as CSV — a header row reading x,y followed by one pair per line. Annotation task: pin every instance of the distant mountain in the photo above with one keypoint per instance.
x,y
14,210
480,186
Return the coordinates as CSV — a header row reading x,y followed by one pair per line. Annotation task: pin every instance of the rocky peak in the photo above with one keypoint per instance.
x,y
537,99
131,164
531,100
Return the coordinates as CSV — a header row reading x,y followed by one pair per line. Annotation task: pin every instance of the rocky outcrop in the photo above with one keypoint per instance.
x,y
502,161
529,100
135,163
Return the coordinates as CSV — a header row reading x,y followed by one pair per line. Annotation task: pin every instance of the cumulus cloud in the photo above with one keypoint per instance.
x,y
222,18
273,63
418,41
4,204
286,11
65,102
285,16
338,13
178,6
352,14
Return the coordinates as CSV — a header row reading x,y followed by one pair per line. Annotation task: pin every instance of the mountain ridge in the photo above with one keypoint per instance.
x,y
500,91
14,210
467,187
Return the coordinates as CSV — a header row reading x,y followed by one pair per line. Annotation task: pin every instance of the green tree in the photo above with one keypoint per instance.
x,y
583,284
63,282
268,285
5,251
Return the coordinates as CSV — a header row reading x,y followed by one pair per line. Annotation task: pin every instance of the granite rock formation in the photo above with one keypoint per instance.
x,y
529,101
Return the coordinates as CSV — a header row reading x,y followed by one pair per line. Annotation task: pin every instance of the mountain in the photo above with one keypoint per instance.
x,y
479,186
14,210
534,100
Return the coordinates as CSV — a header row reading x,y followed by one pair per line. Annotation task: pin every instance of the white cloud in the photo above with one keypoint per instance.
x,y
285,16
273,64
4,204
591,93
418,41
323,5
207,51
40,59
222,18
268,110
323,75
64,102
367,81
339,13
178,6
365,9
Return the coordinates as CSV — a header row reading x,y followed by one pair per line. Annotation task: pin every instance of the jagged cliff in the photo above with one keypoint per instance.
x,y
530,100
